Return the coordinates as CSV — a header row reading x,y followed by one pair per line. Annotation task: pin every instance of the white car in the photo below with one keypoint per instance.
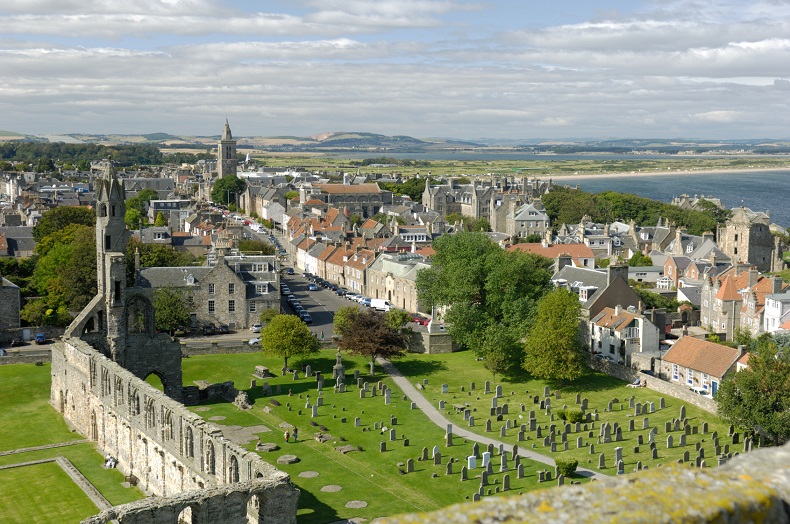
x,y
254,341
256,328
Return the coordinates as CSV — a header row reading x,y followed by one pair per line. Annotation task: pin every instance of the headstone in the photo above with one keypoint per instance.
x,y
441,405
685,456
609,406
645,423
502,432
669,441
682,412
445,388
638,409
601,461
488,426
520,471
449,470
308,370
405,443
472,386
652,407
668,427
499,391
424,455
630,424
620,467
410,466
546,391
682,440
532,424
504,409
471,462
319,401
592,449
464,474
382,447
493,402
579,442
392,434
654,454
521,436
476,450
359,383
356,422
618,434
471,421
387,396
506,483
487,387
640,440
661,403
437,459
448,439
484,478
315,411
486,459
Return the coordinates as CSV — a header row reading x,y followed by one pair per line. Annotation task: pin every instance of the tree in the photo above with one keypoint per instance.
x,y
758,397
553,348
286,336
397,318
342,318
290,195
481,285
172,309
256,246
153,255
160,220
59,217
639,259
227,188
268,314
368,333
502,352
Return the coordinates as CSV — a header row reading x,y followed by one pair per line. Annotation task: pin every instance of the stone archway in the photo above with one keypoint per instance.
x,y
233,470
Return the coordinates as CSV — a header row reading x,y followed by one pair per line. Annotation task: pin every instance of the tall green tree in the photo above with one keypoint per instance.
x,y
59,217
502,352
553,348
342,318
481,285
758,398
227,188
160,220
286,336
368,333
172,308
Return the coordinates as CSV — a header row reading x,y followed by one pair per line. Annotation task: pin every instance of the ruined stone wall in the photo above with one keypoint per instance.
x,y
169,449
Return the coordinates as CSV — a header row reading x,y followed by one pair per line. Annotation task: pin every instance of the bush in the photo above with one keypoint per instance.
x,y
566,466
570,415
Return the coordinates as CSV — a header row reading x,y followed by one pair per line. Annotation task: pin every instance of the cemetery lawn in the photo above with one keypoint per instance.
x,y
29,421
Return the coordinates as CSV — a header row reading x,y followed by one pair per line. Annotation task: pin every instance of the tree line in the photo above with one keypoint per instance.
x,y
568,206
80,155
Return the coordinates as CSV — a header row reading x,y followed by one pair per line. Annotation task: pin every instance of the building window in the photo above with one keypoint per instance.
x,y
211,289
253,306
231,306
210,306
231,288
690,377
261,288
675,372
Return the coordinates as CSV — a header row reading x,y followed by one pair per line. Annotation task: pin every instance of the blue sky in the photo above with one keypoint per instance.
x,y
427,68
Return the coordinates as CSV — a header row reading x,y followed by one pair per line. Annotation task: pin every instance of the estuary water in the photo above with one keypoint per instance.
x,y
767,191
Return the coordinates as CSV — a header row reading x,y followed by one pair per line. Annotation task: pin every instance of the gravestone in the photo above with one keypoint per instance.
x,y
499,391
654,454
494,402
682,412
638,409
652,407
472,386
521,436
601,461
392,434
630,424
314,412
592,449
532,424
356,422
682,440
640,440
441,405
620,467
486,459
704,428
487,388
471,421
464,474
686,456
410,466
471,462
445,388
502,432
449,470
382,447
661,403
669,441
520,471
476,450
387,396
618,454
488,426
424,455
546,391
578,398
484,478
437,459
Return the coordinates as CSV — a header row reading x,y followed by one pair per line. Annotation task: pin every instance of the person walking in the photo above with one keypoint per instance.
x,y
287,435
296,434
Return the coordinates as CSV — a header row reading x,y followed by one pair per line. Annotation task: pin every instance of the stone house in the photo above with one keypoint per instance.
x,y
336,265
598,289
621,332
698,363
746,238
363,199
577,255
394,277
777,311
723,297
232,290
356,269
10,304
530,218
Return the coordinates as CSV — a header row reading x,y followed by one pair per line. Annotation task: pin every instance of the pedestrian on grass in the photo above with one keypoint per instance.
x,y
296,434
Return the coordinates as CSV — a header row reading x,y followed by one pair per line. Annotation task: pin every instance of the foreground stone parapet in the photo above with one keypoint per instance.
x,y
752,488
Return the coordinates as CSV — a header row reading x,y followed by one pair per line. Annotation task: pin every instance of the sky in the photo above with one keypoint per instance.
x,y
717,69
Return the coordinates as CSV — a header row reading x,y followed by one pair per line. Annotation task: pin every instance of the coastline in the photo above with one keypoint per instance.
x,y
668,172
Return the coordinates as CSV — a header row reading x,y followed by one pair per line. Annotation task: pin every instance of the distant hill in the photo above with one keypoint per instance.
x,y
158,137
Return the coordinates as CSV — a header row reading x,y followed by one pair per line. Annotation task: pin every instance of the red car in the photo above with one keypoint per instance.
x,y
420,320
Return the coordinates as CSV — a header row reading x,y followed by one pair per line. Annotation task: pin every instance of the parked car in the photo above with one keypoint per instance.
x,y
306,318
365,301
418,319
40,338
312,287
341,292
289,271
224,329
254,341
209,329
700,391
350,295
256,328
16,342
380,304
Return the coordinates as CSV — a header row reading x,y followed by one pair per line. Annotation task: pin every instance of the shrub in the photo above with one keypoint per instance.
x,y
574,415
566,466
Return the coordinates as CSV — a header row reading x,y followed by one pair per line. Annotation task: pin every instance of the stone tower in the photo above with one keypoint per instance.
x,y
226,153
111,233
746,238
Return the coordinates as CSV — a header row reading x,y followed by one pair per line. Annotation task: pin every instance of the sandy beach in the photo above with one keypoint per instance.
x,y
667,172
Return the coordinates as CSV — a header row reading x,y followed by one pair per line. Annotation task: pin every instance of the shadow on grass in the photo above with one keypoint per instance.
x,y
589,381
411,368
321,512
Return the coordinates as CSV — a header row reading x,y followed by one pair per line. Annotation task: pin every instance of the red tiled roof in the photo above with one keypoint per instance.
x,y
555,250
341,189
314,202
703,356
729,289
607,318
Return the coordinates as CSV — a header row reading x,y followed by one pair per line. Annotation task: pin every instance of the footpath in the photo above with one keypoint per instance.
x,y
439,419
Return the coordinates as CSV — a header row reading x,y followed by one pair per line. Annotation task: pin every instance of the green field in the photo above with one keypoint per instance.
x,y
374,476
44,493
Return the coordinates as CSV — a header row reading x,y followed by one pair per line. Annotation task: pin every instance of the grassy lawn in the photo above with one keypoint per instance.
x,y
29,421
374,476
42,493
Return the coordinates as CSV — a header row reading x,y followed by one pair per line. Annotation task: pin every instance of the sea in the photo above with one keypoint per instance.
x,y
767,191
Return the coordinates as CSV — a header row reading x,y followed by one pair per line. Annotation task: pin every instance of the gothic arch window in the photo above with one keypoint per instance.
x,y
106,385
189,443
134,402
139,316
94,427
233,471
210,461
169,427
112,208
103,210
118,391
150,413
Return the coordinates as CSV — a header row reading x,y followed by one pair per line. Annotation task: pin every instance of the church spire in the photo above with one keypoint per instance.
x,y
226,134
